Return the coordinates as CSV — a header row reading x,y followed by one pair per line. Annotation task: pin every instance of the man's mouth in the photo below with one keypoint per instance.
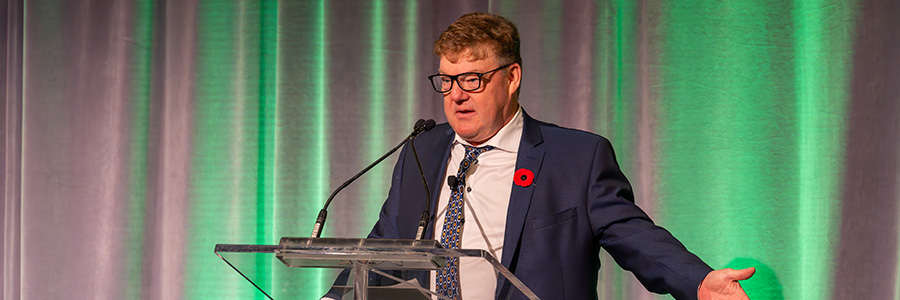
x,y
464,112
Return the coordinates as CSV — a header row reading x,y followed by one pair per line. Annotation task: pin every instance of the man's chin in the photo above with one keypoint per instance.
x,y
473,139
462,128
464,132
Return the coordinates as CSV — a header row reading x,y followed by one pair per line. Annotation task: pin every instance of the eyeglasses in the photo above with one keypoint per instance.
x,y
468,81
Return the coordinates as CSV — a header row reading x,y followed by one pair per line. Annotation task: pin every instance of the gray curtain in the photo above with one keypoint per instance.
x,y
139,134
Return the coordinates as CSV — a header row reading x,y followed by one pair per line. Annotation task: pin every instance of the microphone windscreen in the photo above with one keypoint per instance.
x,y
452,181
429,124
419,124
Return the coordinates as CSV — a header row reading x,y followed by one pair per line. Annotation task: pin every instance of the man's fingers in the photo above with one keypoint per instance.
x,y
740,274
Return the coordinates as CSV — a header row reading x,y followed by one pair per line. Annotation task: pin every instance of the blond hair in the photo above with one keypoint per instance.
x,y
478,35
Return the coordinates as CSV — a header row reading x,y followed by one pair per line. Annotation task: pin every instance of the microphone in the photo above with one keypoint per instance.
x,y
420,127
452,182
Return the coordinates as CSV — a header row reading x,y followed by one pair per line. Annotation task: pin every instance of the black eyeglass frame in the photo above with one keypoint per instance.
x,y
455,78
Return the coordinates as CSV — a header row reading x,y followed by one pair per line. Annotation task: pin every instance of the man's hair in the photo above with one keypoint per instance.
x,y
480,35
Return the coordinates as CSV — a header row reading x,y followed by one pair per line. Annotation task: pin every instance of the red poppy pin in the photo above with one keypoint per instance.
x,y
523,177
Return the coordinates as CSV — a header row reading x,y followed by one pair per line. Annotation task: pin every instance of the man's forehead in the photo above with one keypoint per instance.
x,y
471,61
470,54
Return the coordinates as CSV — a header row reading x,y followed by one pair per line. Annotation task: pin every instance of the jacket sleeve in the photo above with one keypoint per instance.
x,y
659,261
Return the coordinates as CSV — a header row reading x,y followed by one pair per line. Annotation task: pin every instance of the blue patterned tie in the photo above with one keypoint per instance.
x,y
448,277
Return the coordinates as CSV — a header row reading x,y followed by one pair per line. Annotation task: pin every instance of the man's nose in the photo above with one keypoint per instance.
x,y
457,94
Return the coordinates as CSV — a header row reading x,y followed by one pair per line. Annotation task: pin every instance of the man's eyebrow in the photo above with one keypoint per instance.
x,y
442,72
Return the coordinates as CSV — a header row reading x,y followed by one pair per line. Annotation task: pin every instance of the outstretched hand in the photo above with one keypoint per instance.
x,y
723,284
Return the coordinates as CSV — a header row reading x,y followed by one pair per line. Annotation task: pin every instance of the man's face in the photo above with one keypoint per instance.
x,y
477,115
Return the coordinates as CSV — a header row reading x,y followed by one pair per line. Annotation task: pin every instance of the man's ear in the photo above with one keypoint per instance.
x,y
515,77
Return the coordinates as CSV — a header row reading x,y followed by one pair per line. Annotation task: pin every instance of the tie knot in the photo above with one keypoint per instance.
x,y
473,152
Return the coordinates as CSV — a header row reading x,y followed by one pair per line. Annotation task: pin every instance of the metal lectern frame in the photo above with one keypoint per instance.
x,y
364,256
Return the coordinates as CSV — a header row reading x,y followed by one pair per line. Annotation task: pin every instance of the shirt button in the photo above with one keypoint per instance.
x,y
469,189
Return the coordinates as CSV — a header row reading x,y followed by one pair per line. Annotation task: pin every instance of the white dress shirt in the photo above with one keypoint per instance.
x,y
486,200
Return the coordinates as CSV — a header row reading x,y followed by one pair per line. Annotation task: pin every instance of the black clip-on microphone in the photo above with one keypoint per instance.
x,y
420,127
452,182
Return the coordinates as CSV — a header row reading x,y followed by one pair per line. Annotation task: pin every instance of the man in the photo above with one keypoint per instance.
x,y
542,198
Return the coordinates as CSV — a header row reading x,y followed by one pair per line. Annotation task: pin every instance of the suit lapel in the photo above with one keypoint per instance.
x,y
530,157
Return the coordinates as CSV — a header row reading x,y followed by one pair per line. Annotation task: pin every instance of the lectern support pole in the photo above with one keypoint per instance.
x,y
360,280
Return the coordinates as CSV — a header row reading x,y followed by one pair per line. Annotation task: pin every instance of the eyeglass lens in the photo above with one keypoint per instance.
x,y
468,82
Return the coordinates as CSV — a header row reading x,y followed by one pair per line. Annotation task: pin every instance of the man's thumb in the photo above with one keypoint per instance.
x,y
741,274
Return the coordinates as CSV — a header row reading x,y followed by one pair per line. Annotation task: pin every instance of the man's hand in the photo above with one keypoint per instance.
x,y
723,284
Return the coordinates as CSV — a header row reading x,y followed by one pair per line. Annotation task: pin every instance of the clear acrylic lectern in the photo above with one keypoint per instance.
x,y
264,265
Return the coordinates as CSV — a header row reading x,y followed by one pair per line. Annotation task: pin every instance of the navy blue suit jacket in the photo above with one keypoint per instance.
x,y
579,201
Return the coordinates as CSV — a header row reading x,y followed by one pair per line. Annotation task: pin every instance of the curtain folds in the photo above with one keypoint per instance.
x,y
139,134
11,33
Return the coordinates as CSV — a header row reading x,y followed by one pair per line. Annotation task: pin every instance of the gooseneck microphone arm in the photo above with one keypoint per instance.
x,y
426,214
323,214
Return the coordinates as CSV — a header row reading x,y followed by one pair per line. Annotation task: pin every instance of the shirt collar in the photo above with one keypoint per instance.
x,y
507,139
